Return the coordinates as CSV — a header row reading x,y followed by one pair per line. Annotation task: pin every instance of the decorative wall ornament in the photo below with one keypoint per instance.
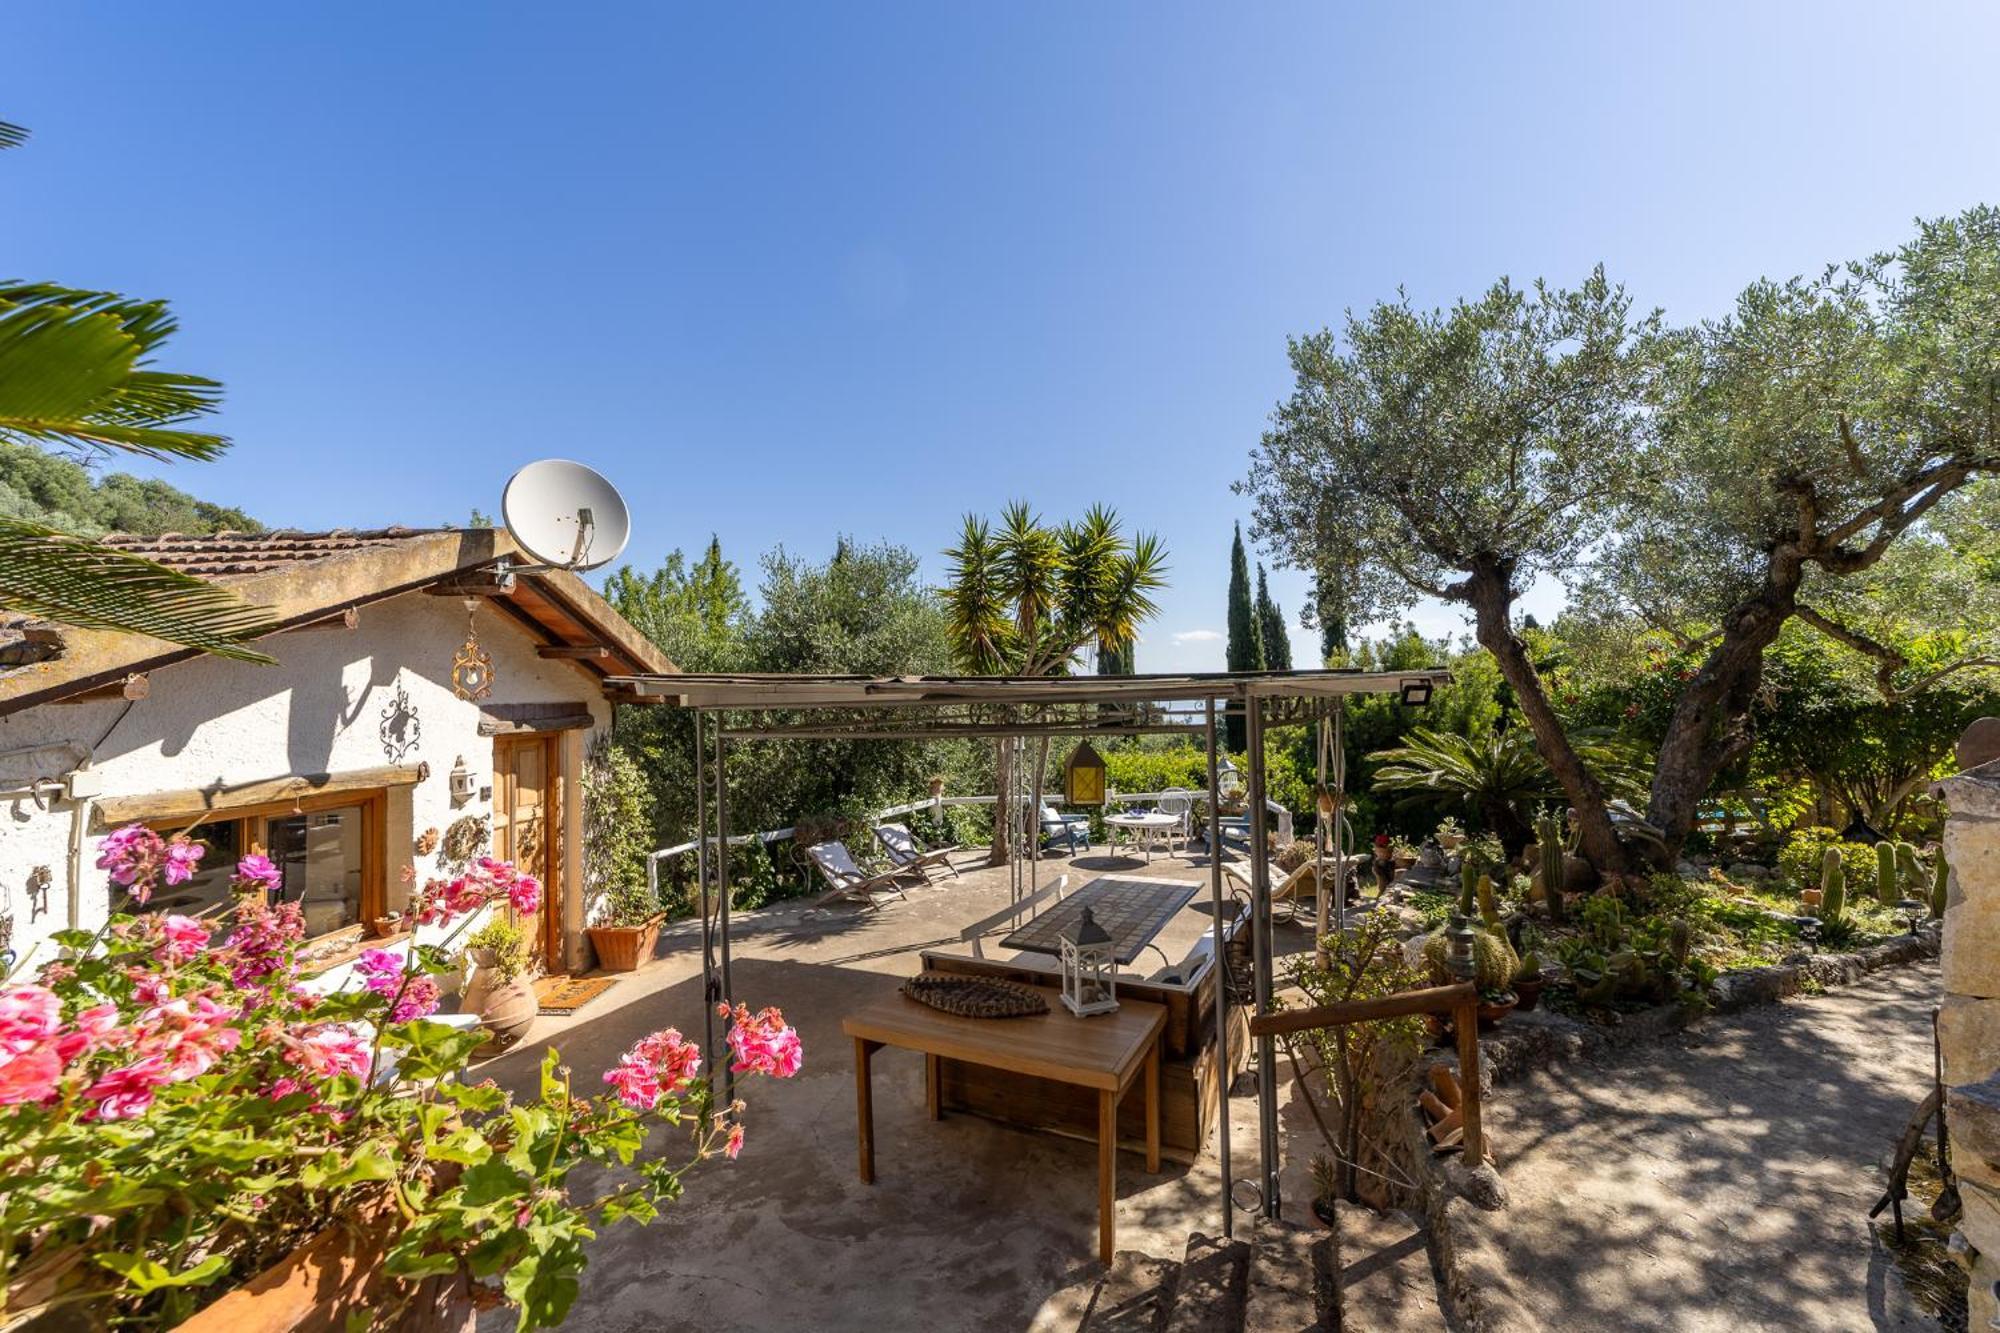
x,y
464,840
39,881
472,667
427,841
400,728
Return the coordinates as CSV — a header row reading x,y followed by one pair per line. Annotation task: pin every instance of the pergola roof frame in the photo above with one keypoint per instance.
x,y
711,696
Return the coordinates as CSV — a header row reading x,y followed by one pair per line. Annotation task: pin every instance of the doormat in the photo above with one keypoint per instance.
x,y
566,995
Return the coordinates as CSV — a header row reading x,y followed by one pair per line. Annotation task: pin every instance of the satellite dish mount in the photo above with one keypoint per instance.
x,y
565,515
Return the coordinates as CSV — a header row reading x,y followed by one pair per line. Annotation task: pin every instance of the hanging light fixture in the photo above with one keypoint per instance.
x,y
1083,776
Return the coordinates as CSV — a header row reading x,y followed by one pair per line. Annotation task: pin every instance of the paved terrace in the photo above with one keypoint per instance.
x,y
970,1224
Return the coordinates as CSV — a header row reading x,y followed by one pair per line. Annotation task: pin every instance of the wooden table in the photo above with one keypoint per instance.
x,y
1107,1052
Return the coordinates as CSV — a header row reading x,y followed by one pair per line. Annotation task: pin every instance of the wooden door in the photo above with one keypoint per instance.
x,y
526,827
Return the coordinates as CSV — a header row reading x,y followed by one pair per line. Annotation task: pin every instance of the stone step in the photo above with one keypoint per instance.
x,y
1385,1278
1209,1289
1289,1287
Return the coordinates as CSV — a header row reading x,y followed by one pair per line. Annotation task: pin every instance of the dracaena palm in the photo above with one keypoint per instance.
x,y
1025,598
76,372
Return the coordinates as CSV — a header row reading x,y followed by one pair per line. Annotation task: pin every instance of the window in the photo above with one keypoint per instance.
x,y
328,848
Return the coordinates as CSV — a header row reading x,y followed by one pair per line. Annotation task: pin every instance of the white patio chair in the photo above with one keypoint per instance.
x,y
848,880
1178,802
900,846
1009,914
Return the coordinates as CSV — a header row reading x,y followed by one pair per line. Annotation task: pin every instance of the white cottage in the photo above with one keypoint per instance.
x,y
357,758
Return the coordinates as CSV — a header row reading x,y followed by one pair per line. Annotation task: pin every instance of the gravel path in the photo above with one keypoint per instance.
x,y
1721,1180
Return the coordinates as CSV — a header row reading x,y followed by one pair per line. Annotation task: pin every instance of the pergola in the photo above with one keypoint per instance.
x,y
749,708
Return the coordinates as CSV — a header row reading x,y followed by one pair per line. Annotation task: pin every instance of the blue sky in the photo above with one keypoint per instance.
x,y
788,271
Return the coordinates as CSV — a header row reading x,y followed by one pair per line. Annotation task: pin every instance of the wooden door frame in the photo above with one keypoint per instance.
x,y
551,870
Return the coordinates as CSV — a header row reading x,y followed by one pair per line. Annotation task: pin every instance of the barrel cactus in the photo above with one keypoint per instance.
x,y
1833,886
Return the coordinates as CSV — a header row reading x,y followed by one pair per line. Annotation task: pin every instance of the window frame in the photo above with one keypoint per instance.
x,y
374,804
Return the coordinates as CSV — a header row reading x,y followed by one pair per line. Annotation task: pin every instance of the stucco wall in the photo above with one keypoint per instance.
x,y
319,711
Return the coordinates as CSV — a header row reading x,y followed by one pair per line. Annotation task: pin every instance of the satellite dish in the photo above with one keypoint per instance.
x,y
564,514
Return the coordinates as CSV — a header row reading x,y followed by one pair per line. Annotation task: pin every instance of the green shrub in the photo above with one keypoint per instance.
x,y
1799,859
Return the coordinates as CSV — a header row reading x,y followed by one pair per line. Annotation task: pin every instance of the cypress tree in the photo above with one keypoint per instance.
x,y
1271,628
1332,625
1246,644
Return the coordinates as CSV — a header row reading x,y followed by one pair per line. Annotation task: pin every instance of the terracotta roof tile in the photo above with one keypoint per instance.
x,y
226,555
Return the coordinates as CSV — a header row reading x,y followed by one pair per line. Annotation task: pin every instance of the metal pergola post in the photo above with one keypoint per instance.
x,y
722,887
1260,937
710,992
1221,976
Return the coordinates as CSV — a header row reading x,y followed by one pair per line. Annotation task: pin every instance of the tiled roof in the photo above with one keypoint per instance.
x,y
225,555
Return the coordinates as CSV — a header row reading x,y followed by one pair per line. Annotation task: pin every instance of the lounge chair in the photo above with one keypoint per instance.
x,y
1072,830
848,880
1288,887
903,852
1008,915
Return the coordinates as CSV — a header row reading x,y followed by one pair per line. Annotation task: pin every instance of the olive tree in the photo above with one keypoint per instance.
x,y
1796,441
1460,454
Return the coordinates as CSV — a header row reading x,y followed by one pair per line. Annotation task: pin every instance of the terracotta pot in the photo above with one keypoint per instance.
x,y
507,1014
625,948
1451,842
1323,1213
1529,992
479,982
1812,897
316,1287
1490,1014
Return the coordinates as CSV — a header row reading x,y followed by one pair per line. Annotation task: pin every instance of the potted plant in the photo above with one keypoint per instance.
x,y
1529,981
217,1148
1450,834
1403,850
629,928
498,992
1326,1189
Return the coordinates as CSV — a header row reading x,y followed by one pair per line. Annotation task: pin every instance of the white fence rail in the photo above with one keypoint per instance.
x,y
769,836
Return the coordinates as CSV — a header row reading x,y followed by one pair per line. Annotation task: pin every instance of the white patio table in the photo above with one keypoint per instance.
x,y
1144,827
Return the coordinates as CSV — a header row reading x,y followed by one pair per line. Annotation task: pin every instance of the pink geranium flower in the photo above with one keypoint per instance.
x,y
127,1091
525,893
132,856
181,938
734,1144
29,1016
657,1066
762,1043
183,857
256,872
332,1050
29,1076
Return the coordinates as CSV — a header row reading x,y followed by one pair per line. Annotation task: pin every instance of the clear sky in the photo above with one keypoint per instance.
x,y
789,271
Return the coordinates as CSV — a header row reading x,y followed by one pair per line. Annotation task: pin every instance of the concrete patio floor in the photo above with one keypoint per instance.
x,y
970,1224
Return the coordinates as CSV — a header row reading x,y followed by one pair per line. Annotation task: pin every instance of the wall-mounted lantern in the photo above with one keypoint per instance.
x,y
461,782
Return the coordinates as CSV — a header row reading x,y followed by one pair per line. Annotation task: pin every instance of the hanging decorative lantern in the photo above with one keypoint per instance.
x,y
1083,776
1089,973
472,666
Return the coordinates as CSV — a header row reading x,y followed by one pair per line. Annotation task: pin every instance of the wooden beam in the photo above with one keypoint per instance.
x,y
481,584
588,652
348,618
138,685
1430,1000
112,810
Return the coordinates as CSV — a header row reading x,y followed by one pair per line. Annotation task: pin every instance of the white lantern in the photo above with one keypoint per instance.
x,y
1089,972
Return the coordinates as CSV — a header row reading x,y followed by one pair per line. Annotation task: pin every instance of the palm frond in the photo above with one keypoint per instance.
x,y
75,581
73,370
12,136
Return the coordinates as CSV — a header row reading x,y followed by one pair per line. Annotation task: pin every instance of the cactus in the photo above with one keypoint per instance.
x,y
1468,887
1911,870
1489,911
1940,879
1832,885
1680,940
1549,843
1885,873
1493,961
1529,968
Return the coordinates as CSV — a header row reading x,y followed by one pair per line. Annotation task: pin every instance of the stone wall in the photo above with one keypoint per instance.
x,y
1969,1022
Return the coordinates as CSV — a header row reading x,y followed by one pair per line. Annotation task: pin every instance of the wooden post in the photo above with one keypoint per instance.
x,y
864,1108
1466,1019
